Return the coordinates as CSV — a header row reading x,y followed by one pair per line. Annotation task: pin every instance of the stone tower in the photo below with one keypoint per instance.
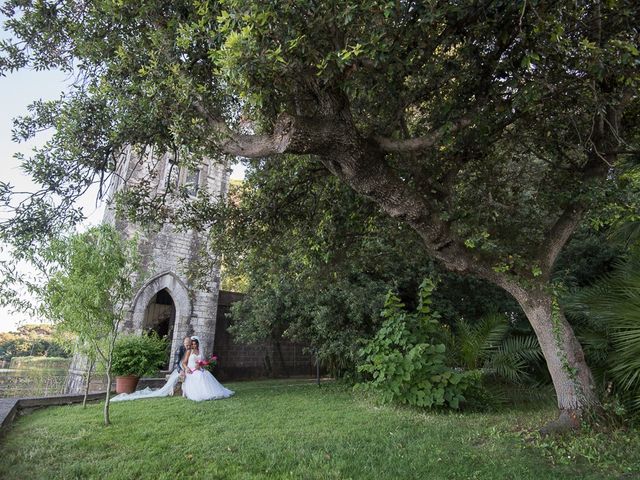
x,y
167,301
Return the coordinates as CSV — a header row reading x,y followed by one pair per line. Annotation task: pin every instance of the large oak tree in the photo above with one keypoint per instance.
x,y
489,127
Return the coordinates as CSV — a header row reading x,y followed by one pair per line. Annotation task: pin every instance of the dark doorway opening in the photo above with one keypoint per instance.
x,y
160,317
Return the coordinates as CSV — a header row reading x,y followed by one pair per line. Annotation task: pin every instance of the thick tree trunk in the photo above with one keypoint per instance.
x,y
571,376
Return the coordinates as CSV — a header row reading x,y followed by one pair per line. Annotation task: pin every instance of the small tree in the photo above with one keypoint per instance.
x,y
89,292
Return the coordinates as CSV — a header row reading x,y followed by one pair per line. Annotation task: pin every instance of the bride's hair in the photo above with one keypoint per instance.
x,y
196,339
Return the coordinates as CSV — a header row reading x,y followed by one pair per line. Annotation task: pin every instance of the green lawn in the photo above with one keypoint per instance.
x,y
285,430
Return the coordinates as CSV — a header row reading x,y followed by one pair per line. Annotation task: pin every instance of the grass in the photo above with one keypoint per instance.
x,y
297,430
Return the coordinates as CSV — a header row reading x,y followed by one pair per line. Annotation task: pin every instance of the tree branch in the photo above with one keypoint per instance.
x,y
566,224
559,235
291,134
420,143
242,145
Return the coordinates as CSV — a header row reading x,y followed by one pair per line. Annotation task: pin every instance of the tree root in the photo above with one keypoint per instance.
x,y
567,421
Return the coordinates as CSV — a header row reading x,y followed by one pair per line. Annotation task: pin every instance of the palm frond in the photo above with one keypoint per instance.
x,y
510,368
612,307
627,233
525,347
476,342
596,345
513,357
634,401
616,296
492,329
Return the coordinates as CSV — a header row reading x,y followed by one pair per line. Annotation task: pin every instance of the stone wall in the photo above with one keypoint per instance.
x,y
272,359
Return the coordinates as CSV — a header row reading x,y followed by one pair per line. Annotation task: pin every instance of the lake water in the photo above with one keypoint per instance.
x,y
32,382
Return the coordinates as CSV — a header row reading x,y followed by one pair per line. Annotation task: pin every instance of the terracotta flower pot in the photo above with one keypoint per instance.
x,y
126,384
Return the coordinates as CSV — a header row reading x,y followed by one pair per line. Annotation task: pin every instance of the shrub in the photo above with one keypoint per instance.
x,y
405,361
139,355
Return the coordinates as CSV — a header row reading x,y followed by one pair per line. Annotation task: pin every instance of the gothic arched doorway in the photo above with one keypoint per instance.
x,y
160,316
170,285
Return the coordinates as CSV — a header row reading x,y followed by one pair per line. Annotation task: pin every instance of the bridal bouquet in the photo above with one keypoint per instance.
x,y
208,364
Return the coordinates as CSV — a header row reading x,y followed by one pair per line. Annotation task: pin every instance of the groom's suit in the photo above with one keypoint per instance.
x,y
177,361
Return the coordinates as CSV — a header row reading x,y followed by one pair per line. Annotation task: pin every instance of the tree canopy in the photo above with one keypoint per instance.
x,y
31,340
507,105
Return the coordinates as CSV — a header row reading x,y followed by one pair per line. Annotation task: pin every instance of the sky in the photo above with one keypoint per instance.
x,y
17,91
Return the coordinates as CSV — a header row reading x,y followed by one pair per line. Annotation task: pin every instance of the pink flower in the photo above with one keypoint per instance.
x,y
208,364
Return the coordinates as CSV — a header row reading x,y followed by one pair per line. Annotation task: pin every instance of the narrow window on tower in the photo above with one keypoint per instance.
x,y
192,181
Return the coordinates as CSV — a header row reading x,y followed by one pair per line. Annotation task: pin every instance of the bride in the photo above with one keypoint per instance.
x,y
199,384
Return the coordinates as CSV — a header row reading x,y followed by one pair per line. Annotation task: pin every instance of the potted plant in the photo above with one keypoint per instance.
x,y
135,356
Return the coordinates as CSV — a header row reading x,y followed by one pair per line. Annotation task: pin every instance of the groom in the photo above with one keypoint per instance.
x,y
177,359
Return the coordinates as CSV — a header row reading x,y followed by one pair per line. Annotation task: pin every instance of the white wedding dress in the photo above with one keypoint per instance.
x,y
201,385
165,391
